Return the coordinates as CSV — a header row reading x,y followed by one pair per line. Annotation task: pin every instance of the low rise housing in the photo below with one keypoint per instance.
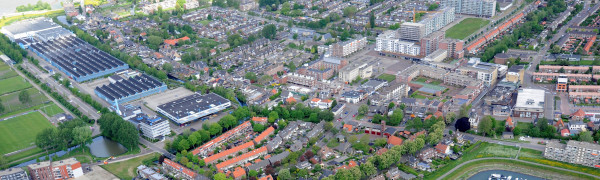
x,y
178,170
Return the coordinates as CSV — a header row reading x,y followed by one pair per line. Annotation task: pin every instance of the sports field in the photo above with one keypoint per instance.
x,y
19,132
387,77
6,72
13,84
465,28
52,110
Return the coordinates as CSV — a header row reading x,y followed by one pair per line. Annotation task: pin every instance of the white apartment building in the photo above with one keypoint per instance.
x,y
436,21
412,31
575,152
389,42
350,72
485,8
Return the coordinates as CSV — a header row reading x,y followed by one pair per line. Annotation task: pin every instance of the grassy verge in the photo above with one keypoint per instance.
x,y
511,163
24,154
126,169
8,20
574,167
465,28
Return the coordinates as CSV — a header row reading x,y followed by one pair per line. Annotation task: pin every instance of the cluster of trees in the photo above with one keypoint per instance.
x,y
420,124
321,23
300,112
490,127
350,11
119,130
227,3
11,49
293,11
526,30
24,97
34,7
263,3
68,134
392,120
433,6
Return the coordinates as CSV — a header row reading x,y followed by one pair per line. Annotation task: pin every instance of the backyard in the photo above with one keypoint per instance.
x,y
19,132
465,28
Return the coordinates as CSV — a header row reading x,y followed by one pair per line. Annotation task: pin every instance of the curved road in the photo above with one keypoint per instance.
x,y
543,165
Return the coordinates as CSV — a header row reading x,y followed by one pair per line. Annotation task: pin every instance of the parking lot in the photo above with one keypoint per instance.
x,y
155,100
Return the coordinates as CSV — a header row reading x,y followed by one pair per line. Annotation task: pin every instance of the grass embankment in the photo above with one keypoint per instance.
x,y
505,163
465,28
127,169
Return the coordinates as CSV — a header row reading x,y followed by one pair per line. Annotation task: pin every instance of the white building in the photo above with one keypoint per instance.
x,y
530,103
346,48
485,8
153,128
437,56
350,72
389,42
436,21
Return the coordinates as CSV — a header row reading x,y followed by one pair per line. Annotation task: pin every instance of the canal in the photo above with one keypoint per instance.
x,y
514,175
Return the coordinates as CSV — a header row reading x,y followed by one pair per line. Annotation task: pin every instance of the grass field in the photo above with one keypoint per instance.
x,y
52,110
8,20
126,169
19,132
465,28
11,100
460,173
6,72
13,84
387,77
204,22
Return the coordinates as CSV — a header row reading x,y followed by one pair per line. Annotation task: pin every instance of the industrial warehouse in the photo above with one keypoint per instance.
x,y
125,90
192,107
76,58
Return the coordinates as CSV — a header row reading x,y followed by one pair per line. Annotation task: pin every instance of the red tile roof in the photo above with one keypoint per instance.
x,y
239,172
441,148
348,127
290,100
179,167
428,117
579,113
393,140
268,177
267,156
564,131
264,134
228,152
438,114
509,121
381,151
259,119
241,157
315,100
222,137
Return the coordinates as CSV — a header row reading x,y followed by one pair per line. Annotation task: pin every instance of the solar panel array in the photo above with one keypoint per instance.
x,y
129,87
76,57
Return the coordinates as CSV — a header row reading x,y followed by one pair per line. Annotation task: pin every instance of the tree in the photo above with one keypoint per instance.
x,y
313,118
381,142
219,176
273,116
396,118
450,117
486,125
586,136
167,67
391,105
82,135
184,144
215,128
333,104
350,11
284,174
433,7
252,173
154,42
269,31
251,76
363,109
368,169
464,110
24,97
328,126
372,20
47,139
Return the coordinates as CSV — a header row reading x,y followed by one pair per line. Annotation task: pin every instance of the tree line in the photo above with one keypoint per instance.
x,y
11,49
119,130
68,134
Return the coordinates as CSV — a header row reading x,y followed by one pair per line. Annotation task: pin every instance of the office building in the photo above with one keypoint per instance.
x,y
13,174
575,152
436,21
133,88
57,170
485,8
192,107
153,127
530,103
411,31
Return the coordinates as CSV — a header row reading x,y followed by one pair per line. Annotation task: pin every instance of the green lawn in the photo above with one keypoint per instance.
x,y
126,169
205,22
417,96
387,77
6,72
13,84
11,100
465,28
52,110
19,132
460,173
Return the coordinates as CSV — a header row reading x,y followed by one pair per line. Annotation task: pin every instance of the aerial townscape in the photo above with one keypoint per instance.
x,y
299,89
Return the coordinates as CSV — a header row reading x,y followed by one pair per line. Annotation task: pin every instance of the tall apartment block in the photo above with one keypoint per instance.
x,y
436,21
486,8
454,47
346,48
575,152
57,170
389,42
412,31
430,43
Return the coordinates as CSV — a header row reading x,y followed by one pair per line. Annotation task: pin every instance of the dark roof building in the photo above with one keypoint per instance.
x,y
192,107
130,89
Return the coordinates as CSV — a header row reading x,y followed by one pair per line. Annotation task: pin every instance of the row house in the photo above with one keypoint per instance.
x,y
240,130
541,76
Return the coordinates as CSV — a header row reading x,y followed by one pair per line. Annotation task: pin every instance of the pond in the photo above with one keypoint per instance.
x,y
104,147
514,175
